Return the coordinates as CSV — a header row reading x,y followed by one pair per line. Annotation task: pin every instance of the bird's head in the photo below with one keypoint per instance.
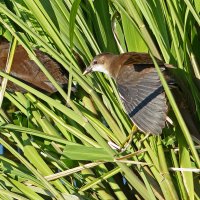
x,y
100,63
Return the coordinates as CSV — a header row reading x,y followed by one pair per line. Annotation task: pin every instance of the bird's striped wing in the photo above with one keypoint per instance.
x,y
143,97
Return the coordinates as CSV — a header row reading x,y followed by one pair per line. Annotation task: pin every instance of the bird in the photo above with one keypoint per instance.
x,y
27,71
139,87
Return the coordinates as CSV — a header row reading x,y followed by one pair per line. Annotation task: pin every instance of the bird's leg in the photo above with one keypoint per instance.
x,y
129,139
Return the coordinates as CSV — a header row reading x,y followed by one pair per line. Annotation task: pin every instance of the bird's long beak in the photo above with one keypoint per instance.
x,y
87,70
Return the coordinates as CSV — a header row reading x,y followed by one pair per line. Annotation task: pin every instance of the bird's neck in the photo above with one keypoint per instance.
x,y
116,65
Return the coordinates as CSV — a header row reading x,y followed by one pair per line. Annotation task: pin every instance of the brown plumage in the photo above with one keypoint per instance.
x,y
27,71
139,86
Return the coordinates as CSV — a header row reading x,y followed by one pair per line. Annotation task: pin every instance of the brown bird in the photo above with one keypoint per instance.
x,y
139,86
25,69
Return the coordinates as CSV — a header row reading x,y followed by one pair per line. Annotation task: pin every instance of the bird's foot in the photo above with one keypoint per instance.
x,y
142,140
128,140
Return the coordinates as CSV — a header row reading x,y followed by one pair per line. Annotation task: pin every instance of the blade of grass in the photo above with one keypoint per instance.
x,y
32,169
178,115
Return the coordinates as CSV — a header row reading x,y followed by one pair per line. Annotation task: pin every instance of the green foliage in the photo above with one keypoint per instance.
x,y
70,129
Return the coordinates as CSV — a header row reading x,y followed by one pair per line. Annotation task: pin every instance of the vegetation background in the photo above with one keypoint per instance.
x,y
69,131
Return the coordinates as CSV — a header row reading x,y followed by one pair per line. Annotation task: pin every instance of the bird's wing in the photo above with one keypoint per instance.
x,y
143,97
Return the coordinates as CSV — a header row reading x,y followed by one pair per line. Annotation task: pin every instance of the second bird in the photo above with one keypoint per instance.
x,y
26,70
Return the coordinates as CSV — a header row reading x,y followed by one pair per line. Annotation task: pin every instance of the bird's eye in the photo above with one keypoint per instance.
x,y
94,62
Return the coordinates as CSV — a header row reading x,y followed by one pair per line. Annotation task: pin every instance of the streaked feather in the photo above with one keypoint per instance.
x,y
143,97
